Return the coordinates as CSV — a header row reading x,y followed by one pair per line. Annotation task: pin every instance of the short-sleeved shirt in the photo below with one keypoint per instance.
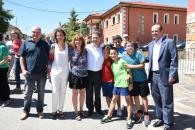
x,y
3,53
120,73
78,67
121,50
36,56
139,75
107,75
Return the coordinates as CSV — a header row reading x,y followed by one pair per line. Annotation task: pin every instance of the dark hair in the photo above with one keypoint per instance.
x,y
1,36
79,37
116,37
96,33
114,48
135,45
59,30
106,47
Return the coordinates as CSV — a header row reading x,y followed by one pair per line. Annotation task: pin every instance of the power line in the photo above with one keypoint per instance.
x,y
36,1
51,11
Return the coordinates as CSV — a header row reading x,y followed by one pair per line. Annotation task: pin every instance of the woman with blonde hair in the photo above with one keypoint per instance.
x,y
78,74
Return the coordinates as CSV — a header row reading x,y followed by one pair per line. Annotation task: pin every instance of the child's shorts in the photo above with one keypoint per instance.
x,y
121,91
107,89
141,89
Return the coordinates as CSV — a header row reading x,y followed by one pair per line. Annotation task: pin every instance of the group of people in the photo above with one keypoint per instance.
x,y
119,69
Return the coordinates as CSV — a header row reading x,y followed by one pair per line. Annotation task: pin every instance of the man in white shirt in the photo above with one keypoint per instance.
x,y
95,62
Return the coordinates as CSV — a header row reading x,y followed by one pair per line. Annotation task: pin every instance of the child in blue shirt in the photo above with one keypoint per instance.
x,y
135,62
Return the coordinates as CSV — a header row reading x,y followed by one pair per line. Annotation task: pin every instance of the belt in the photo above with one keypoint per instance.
x,y
156,72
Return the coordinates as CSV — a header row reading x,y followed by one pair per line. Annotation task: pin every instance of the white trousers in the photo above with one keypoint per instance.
x,y
59,85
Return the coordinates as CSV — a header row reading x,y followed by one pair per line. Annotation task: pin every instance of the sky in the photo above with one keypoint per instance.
x,y
49,13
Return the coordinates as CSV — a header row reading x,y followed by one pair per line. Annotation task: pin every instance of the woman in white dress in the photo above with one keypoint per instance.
x,y
59,73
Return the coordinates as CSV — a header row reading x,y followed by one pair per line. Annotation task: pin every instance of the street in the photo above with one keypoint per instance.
x,y
184,94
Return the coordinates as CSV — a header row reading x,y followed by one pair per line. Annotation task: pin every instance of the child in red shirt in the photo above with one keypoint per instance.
x,y
107,76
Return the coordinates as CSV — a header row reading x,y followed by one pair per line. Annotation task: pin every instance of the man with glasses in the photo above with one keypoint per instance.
x,y
34,59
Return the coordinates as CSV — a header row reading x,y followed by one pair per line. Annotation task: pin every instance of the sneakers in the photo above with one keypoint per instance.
x,y
147,120
119,112
24,116
129,124
106,119
40,115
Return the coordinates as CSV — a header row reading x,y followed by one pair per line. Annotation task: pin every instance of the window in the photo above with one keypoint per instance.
x,y
166,18
119,18
113,20
102,24
106,40
175,37
166,35
176,18
155,17
106,24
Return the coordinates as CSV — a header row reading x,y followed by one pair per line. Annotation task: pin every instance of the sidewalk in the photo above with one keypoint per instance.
x,y
184,94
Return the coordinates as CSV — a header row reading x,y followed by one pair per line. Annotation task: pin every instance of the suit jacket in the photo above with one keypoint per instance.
x,y
167,61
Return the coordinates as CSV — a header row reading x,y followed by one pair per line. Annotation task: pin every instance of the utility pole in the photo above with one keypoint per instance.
x,y
16,22
80,28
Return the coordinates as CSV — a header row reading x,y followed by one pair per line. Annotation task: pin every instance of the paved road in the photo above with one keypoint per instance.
x,y
184,94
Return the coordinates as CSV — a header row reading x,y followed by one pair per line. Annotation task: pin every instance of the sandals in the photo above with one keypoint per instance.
x,y
61,114
77,117
82,114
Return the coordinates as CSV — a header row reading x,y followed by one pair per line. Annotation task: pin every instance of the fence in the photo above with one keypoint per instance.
x,y
187,60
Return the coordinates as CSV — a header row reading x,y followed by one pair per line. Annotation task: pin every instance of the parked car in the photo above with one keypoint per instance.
x,y
181,45
144,47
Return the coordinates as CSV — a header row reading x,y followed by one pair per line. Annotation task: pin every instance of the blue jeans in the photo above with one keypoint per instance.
x,y
40,79
17,71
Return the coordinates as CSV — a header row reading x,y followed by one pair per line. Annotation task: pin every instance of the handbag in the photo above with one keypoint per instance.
x,y
71,76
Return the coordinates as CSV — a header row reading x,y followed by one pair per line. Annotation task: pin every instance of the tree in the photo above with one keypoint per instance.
x,y
84,30
5,16
73,20
73,27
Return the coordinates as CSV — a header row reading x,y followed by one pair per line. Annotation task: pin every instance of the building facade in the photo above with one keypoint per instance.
x,y
136,19
190,32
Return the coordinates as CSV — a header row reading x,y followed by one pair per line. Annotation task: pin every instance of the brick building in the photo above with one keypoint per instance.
x,y
190,33
136,19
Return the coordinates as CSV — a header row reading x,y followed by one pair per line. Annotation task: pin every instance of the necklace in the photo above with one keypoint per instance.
x,y
61,46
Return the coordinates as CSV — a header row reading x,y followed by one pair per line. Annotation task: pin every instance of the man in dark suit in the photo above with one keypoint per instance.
x,y
163,64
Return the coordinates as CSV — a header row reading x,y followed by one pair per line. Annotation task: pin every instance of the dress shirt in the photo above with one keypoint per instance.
x,y
156,51
94,57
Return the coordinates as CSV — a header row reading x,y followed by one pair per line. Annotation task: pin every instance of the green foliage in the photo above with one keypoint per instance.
x,y
84,29
5,16
73,27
